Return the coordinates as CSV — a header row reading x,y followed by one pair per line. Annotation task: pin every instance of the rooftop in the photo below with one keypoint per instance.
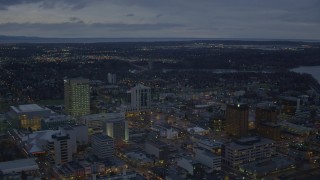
x,y
267,106
18,165
250,141
102,136
267,166
104,116
27,108
57,118
76,80
140,86
157,143
239,105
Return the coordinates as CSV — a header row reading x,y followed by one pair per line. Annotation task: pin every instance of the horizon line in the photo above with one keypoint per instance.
x,y
8,38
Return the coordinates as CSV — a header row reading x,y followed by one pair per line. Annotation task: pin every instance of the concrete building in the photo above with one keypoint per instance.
x,y
266,121
111,124
296,130
112,78
246,150
237,120
117,129
190,165
77,96
28,116
78,134
210,145
157,148
139,159
186,164
29,166
3,124
166,131
59,144
289,105
56,121
208,158
102,146
60,148
266,167
140,98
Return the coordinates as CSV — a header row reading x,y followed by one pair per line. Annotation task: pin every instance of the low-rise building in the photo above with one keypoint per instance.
x,y
139,159
111,124
262,168
210,145
246,150
28,116
29,166
191,166
208,158
56,121
157,148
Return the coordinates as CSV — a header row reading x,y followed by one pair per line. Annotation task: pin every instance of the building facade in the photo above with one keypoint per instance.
x,y
246,150
27,116
237,120
77,96
112,78
56,121
111,124
208,158
157,148
60,149
140,98
266,121
118,130
102,146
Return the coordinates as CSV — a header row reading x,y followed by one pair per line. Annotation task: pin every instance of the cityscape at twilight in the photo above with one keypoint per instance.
x,y
159,90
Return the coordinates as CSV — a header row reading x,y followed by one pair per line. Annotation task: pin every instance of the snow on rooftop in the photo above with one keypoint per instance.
x,y
27,108
30,107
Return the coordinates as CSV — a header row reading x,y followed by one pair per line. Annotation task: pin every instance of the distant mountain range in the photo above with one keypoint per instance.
x,y
26,39
30,39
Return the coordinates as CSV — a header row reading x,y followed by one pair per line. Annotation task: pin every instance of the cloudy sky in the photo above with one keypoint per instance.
x,y
267,19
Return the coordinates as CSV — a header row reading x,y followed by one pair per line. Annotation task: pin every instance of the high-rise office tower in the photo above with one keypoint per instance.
x,y
77,96
266,121
237,120
140,98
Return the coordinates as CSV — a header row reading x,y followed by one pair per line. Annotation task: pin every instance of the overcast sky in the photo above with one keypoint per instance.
x,y
264,19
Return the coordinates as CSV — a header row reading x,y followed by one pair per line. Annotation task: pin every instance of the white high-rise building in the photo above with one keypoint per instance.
x,y
140,98
77,96
60,148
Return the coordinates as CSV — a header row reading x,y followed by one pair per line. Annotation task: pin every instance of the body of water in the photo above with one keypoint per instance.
x,y
313,70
